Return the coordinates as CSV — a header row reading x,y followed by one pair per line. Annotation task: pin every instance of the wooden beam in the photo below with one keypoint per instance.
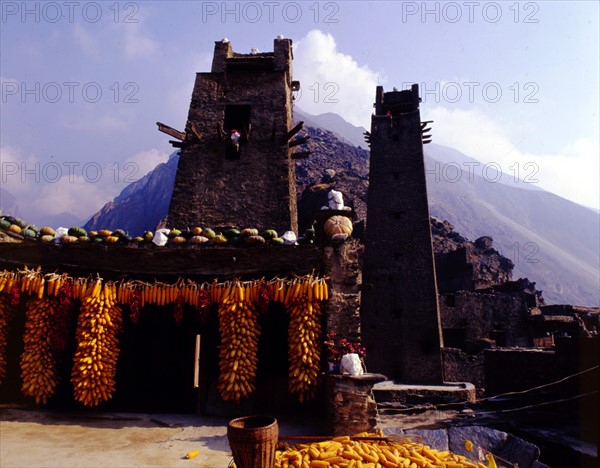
x,y
177,144
293,131
299,141
195,131
170,131
301,155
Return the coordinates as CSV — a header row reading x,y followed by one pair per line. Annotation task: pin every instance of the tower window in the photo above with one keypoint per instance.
x,y
237,127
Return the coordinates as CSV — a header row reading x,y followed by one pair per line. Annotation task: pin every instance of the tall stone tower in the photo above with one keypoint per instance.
x,y
235,166
399,310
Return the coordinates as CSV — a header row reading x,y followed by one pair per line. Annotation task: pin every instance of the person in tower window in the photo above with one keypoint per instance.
x,y
235,139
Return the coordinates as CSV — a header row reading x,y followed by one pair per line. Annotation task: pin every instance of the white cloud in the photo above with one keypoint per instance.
x,y
145,161
86,41
571,172
332,81
137,44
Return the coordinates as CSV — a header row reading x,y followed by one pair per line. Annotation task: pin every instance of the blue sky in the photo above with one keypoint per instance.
x,y
83,83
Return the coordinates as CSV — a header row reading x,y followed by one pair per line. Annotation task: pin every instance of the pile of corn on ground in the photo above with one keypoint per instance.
x,y
360,452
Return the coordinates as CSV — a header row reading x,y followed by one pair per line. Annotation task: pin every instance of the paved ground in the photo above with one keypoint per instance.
x,y
50,439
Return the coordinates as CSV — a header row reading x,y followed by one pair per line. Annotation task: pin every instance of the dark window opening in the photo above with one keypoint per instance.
x,y
454,338
499,337
451,300
236,126
395,137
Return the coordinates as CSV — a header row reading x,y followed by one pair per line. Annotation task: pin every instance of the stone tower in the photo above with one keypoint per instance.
x,y
399,311
235,166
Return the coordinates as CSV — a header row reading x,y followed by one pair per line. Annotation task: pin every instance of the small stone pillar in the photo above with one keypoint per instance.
x,y
351,405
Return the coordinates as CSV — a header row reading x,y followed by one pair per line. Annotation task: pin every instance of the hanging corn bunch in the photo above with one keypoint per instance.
x,y
5,315
303,299
238,326
38,362
95,360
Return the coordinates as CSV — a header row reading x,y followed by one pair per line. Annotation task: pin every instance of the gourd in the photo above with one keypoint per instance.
x,y
337,225
104,233
197,231
254,240
67,239
199,240
219,239
77,232
270,234
208,232
15,228
277,241
179,240
229,233
249,232
47,231
29,233
174,233
4,224
112,239
47,238
119,233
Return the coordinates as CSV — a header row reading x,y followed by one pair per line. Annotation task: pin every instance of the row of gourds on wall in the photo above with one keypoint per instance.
x,y
100,305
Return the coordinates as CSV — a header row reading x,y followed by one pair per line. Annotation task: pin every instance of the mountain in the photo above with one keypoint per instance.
x,y
551,240
142,204
8,204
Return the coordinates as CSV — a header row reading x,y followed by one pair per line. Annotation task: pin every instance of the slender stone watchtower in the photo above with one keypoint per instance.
x,y
399,311
235,166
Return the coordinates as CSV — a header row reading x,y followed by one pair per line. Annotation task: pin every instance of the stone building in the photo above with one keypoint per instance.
x,y
399,310
236,166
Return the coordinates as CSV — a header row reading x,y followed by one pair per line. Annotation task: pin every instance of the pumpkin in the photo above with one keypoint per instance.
x,y
179,240
174,233
47,231
337,225
197,231
112,239
199,240
67,239
15,228
138,239
119,233
207,232
148,236
249,232
104,233
19,222
92,234
277,241
47,238
4,224
232,232
98,240
84,239
77,232
254,240
29,233
270,234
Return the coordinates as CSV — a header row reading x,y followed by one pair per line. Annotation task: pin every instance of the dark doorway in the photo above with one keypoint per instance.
x,y
155,370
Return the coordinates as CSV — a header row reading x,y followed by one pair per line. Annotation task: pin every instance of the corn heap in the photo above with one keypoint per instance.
x,y
239,330
95,360
38,363
303,299
360,452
